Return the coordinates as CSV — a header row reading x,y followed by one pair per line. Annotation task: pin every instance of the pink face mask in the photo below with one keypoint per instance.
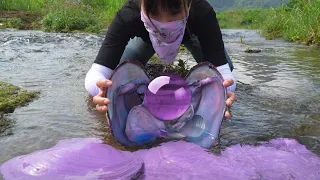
x,y
166,43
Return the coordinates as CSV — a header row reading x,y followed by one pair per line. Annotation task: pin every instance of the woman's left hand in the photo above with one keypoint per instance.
x,y
231,97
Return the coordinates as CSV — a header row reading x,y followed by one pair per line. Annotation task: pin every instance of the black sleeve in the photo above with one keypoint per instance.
x,y
209,34
117,37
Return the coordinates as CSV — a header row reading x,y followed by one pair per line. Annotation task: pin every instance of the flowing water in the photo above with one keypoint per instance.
x,y
277,93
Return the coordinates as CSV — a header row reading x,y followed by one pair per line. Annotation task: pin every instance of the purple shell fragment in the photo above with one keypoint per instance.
x,y
91,159
74,159
277,159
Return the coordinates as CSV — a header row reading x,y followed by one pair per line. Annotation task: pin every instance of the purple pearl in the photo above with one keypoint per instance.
x,y
168,97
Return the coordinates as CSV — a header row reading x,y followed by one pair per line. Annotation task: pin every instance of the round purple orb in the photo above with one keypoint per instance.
x,y
168,97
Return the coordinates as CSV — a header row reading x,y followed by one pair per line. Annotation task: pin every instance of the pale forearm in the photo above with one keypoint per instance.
x,y
227,74
97,72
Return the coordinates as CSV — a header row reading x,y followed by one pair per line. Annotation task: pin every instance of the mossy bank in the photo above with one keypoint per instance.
x,y
12,97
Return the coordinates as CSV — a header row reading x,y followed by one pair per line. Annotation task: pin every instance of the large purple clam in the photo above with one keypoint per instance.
x,y
169,106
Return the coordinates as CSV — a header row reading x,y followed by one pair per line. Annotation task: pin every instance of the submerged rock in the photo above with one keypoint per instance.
x,y
249,50
12,97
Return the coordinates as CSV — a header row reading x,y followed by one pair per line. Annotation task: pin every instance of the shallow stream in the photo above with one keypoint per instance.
x,y
278,93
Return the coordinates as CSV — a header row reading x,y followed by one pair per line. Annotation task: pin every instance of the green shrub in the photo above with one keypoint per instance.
x,y
14,23
70,18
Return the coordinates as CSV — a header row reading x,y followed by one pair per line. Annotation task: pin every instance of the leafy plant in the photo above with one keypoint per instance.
x,y
182,68
242,39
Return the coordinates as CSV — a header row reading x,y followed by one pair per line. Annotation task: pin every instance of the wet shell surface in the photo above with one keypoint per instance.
x,y
75,159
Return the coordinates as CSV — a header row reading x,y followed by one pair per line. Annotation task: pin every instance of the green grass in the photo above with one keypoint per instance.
x,y
70,18
242,18
64,15
27,5
84,15
299,21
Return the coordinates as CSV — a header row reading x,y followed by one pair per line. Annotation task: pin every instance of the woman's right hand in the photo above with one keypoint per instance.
x,y
100,100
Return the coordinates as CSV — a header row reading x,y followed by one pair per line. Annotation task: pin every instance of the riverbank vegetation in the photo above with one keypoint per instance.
x,y
242,18
297,21
59,15
224,5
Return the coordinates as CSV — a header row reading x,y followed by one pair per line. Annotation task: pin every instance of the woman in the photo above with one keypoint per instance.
x,y
142,28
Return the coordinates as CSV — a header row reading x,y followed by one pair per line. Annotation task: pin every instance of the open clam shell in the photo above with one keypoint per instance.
x,y
208,98
129,80
132,124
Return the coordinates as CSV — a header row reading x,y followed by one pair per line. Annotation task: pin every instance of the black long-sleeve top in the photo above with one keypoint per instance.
x,y
202,22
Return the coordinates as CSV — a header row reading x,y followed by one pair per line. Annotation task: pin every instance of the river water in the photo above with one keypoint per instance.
x,y
278,92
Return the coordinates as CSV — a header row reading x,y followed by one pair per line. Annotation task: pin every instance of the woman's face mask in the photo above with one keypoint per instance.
x,y
166,37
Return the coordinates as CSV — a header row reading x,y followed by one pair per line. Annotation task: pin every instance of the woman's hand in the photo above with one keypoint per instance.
x,y
100,100
231,97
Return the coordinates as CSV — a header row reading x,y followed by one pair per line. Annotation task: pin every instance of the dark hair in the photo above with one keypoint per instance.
x,y
173,6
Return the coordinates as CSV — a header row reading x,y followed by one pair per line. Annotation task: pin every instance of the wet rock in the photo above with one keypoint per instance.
x,y
249,50
154,70
6,126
